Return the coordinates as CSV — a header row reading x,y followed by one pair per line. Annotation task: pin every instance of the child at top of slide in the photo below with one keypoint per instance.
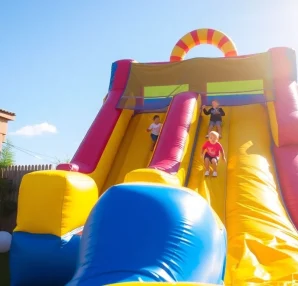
x,y
155,128
211,151
215,118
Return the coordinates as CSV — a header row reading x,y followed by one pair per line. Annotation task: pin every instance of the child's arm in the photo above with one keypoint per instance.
x,y
203,150
223,155
206,112
222,113
150,128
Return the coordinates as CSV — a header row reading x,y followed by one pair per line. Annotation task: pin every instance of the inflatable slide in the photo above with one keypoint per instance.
x,y
121,214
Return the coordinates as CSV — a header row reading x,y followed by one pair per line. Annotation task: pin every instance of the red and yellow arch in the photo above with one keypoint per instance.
x,y
203,36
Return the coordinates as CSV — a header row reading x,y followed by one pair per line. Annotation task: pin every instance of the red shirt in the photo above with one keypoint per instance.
x,y
212,149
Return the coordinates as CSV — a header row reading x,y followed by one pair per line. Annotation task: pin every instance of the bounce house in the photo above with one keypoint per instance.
x,y
121,214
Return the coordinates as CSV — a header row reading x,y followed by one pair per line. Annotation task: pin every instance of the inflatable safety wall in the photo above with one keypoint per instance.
x,y
283,114
145,233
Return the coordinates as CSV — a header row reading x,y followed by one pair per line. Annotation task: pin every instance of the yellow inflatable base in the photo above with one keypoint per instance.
x,y
152,176
55,202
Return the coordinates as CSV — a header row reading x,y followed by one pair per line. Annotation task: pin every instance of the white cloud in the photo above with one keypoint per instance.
x,y
35,130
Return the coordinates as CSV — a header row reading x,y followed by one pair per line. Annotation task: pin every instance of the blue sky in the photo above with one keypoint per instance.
x,y
55,56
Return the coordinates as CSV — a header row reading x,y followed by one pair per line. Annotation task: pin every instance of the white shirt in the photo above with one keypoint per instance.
x,y
155,128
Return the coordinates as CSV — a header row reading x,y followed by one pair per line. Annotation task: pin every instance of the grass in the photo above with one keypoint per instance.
x,y
4,266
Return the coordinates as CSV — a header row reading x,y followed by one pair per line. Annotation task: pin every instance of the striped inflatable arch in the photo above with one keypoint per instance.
x,y
203,36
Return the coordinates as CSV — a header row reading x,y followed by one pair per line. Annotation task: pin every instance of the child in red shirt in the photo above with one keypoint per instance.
x,y
211,151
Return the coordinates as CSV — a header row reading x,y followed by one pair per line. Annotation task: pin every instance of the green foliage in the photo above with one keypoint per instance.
x,y
7,206
7,156
65,160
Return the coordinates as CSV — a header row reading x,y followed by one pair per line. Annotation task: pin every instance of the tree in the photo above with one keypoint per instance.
x,y
7,156
65,160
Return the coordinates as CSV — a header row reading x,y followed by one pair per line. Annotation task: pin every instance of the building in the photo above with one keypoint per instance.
x,y
5,116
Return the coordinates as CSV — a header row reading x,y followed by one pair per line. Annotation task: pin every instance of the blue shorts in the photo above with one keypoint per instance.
x,y
154,137
214,123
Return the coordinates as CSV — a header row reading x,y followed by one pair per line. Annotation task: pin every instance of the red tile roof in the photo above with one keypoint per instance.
x,y
7,112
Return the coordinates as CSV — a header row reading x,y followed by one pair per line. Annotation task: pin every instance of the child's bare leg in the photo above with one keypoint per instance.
x,y
219,129
207,166
209,130
214,166
153,145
